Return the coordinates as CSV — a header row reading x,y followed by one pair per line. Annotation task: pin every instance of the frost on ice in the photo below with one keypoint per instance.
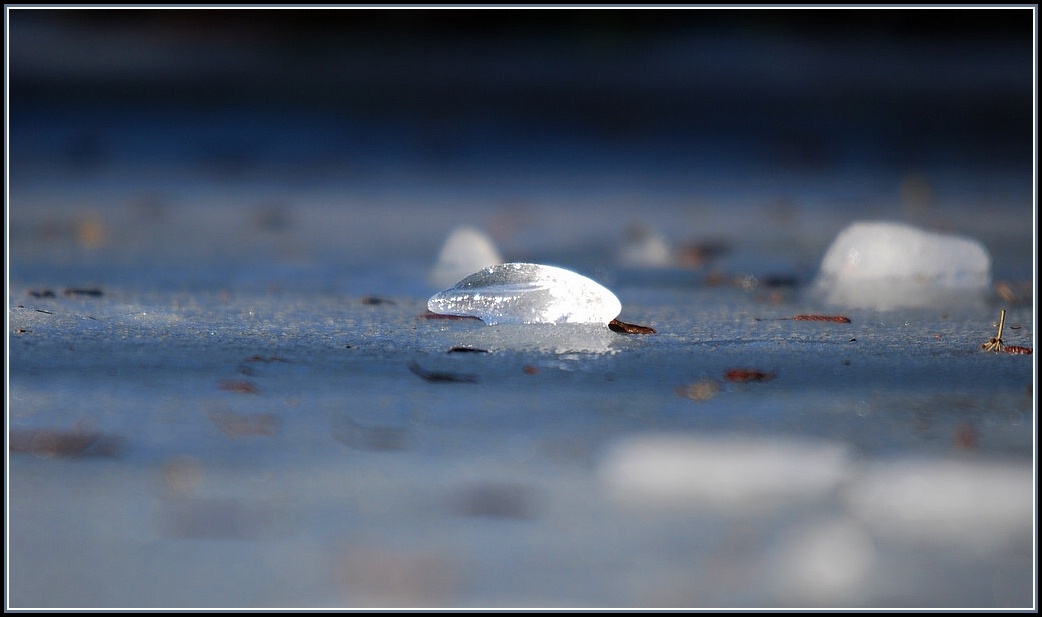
x,y
466,250
521,293
885,265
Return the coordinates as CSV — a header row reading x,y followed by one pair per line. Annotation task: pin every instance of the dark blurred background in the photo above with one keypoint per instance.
x,y
314,95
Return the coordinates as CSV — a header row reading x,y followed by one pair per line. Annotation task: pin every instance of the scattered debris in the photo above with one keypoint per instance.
x,y
1017,294
700,390
751,281
239,386
75,443
494,500
444,377
266,359
430,315
377,301
699,254
42,293
742,375
996,344
741,281
627,328
1017,350
832,318
89,292
466,350
237,425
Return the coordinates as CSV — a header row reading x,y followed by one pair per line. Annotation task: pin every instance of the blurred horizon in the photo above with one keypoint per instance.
x,y
664,89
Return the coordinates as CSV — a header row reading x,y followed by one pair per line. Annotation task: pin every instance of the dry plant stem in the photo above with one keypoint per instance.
x,y
995,344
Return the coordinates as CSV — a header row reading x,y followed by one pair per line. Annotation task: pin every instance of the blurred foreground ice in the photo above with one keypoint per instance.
x,y
738,475
978,506
885,265
969,509
975,507
520,293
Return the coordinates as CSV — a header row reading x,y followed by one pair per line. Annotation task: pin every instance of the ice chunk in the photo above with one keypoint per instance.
x,y
521,293
466,250
886,265
731,474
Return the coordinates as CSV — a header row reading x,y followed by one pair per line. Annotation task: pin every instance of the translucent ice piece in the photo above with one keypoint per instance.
x,y
520,293
466,250
885,265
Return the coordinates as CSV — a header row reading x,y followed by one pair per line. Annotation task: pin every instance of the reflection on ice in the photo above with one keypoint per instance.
x,y
541,338
521,293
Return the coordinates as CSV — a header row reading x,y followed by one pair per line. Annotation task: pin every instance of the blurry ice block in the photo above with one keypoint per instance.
x,y
885,265
731,474
466,250
979,506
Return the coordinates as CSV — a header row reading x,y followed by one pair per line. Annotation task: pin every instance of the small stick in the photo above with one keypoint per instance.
x,y
995,344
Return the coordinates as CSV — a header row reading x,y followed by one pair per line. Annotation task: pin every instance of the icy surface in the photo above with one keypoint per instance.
x,y
466,250
522,293
886,265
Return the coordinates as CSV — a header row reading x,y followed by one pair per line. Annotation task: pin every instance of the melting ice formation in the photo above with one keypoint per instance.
x,y
523,293
886,265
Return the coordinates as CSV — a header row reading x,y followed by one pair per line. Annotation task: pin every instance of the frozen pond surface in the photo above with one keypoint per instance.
x,y
288,433
225,389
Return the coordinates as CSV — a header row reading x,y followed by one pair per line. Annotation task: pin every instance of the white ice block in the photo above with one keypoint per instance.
x,y
886,265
